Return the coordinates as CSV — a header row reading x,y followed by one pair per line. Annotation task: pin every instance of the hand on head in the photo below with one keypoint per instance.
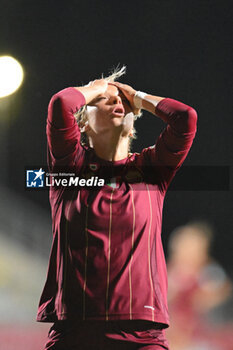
x,y
100,86
129,93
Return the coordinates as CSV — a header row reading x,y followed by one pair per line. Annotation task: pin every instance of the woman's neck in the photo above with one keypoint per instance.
x,y
109,147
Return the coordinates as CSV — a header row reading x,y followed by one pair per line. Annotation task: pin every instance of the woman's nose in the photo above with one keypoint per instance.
x,y
117,100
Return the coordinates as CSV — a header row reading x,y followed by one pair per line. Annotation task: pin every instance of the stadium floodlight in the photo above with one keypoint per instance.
x,y
11,75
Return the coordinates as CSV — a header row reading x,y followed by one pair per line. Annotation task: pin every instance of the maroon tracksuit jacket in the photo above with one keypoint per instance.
x,y
107,260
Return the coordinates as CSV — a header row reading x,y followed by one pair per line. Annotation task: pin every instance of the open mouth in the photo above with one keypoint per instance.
x,y
119,110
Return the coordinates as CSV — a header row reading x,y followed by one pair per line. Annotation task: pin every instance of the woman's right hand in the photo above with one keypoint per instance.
x,y
93,89
99,85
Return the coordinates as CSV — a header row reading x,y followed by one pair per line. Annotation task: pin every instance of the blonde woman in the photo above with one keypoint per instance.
x,y
106,286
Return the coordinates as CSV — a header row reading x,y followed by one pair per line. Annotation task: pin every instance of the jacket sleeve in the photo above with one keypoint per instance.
x,y
62,130
174,142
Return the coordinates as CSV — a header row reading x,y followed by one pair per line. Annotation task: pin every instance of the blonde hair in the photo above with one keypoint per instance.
x,y
116,73
81,115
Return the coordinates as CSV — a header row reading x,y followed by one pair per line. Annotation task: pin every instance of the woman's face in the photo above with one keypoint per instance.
x,y
110,112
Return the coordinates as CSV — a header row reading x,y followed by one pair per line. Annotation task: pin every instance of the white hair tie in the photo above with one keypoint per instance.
x,y
138,97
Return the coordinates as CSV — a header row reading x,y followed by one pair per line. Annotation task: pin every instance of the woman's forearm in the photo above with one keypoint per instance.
x,y
149,102
89,94
179,115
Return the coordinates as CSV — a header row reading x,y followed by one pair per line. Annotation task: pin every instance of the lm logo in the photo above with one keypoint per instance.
x,y
35,178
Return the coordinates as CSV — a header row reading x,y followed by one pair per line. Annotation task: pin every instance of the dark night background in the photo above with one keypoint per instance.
x,y
178,49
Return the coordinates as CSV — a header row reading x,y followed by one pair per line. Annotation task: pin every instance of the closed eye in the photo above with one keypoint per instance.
x,y
97,99
100,98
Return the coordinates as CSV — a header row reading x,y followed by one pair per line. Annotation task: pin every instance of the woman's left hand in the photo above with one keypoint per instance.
x,y
129,93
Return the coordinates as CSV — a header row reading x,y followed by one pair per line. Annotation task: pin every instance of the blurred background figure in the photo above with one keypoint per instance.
x,y
199,292
25,240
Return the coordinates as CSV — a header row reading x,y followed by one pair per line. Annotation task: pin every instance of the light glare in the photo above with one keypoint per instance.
x,y
11,75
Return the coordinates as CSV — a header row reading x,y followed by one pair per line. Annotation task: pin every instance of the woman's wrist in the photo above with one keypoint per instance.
x,y
88,92
138,98
142,100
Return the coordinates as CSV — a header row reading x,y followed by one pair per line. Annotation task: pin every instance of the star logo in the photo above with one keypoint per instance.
x,y
39,174
35,178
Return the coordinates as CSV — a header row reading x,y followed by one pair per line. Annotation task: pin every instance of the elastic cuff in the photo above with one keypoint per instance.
x,y
138,97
